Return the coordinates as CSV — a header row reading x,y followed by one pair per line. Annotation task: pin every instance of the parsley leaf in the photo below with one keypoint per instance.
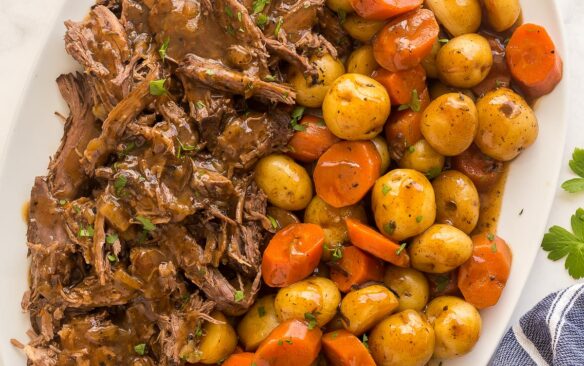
x,y
311,320
401,248
119,184
434,172
442,282
273,222
342,16
111,238
419,219
278,26
112,257
337,252
262,20
390,227
443,40
163,48
365,341
385,189
577,165
491,236
238,296
259,5
146,223
573,185
560,243
297,114
415,103
157,87
261,311
140,349
86,232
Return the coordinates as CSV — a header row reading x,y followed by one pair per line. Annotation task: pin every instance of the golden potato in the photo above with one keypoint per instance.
x,y
383,150
318,296
457,201
310,93
423,158
450,123
429,62
361,61
465,61
502,14
343,107
410,285
340,5
362,309
332,221
218,342
286,183
403,339
457,16
507,124
457,325
440,249
438,88
362,29
403,204
258,323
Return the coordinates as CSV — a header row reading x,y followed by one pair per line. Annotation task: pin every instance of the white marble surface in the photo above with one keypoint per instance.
x,y
23,24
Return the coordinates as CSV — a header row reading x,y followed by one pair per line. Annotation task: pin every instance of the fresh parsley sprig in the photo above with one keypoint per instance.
x,y
560,243
415,103
577,165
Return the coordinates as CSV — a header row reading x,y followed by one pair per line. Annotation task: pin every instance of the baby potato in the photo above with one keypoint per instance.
x,y
465,61
362,309
362,29
383,150
423,158
286,183
457,201
362,61
403,204
343,107
450,123
218,342
332,221
429,62
258,323
340,5
502,14
457,16
440,249
457,325
403,339
310,93
317,295
410,285
507,125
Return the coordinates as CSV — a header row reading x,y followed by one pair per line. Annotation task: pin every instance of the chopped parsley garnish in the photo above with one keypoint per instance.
x,y
261,311
228,11
491,236
311,320
297,114
442,282
273,222
86,232
365,341
280,342
385,189
270,78
262,20
120,184
494,248
289,341
577,166
146,223
140,349
411,149
111,238
390,227
560,243
63,202
443,40
112,257
238,296
278,26
342,16
199,331
199,104
337,252
335,334
401,248
209,72
184,148
164,48
419,219
415,103
259,5
434,172
157,87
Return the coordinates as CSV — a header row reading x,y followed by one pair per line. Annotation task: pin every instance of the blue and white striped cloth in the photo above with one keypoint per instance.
x,y
552,333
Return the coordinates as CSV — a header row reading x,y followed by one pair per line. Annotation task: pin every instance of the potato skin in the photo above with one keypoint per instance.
x,y
457,325
457,201
403,339
383,150
403,204
362,61
218,342
362,29
502,14
332,221
411,286
422,157
340,5
450,123
457,16
429,62
440,249
343,107
258,323
310,93
286,183
465,61
507,124
317,295
362,309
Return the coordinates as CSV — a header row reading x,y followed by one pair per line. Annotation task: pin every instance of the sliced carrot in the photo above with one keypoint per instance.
x,y
345,172
404,42
344,349
404,128
312,141
533,60
401,85
239,359
290,344
373,242
292,254
354,268
383,9
484,276
484,171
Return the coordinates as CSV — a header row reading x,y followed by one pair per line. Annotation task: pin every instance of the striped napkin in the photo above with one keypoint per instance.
x,y
552,333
